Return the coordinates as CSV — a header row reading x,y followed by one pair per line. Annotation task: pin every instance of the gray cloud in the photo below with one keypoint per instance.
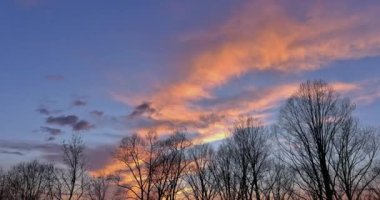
x,y
82,125
2,151
62,120
144,108
70,120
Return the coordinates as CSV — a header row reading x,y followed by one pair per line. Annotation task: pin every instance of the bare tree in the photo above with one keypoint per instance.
x,y
170,166
243,160
200,176
250,142
310,121
139,156
225,170
28,181
356,150
70,182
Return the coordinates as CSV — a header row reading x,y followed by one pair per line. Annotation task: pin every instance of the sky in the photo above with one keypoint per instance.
x,y
109,69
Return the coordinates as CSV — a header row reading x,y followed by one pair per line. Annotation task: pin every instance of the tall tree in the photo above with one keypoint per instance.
x,y
310,121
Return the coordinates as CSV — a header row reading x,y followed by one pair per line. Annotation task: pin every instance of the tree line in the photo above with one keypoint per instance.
x,y
317,150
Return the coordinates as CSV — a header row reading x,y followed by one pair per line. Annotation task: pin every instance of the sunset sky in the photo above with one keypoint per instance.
x,y
108,69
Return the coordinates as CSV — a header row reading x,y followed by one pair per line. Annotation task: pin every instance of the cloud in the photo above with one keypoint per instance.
x,y
2,151
82,125
367,92
51,131
29,146
79,102
143,108
272,37
70,120
62,120
263,36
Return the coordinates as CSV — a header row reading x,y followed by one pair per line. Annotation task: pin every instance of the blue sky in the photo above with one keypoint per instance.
x,y
108,69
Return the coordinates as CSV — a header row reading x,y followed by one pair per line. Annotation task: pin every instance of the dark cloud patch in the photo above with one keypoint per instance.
x,y
144,108
55,77
62,120
51,131
79,102
97,113
3,151
82,125
70,120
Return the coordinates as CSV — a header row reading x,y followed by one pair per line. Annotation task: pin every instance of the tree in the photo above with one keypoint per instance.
x,y
170,166
323,144
155,167
356,150
70,182
225,172
28,181
199,175
139,156
252,153
243,160
311,119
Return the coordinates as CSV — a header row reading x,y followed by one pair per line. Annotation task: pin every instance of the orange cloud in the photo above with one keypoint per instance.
x,y
267,37
264,37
